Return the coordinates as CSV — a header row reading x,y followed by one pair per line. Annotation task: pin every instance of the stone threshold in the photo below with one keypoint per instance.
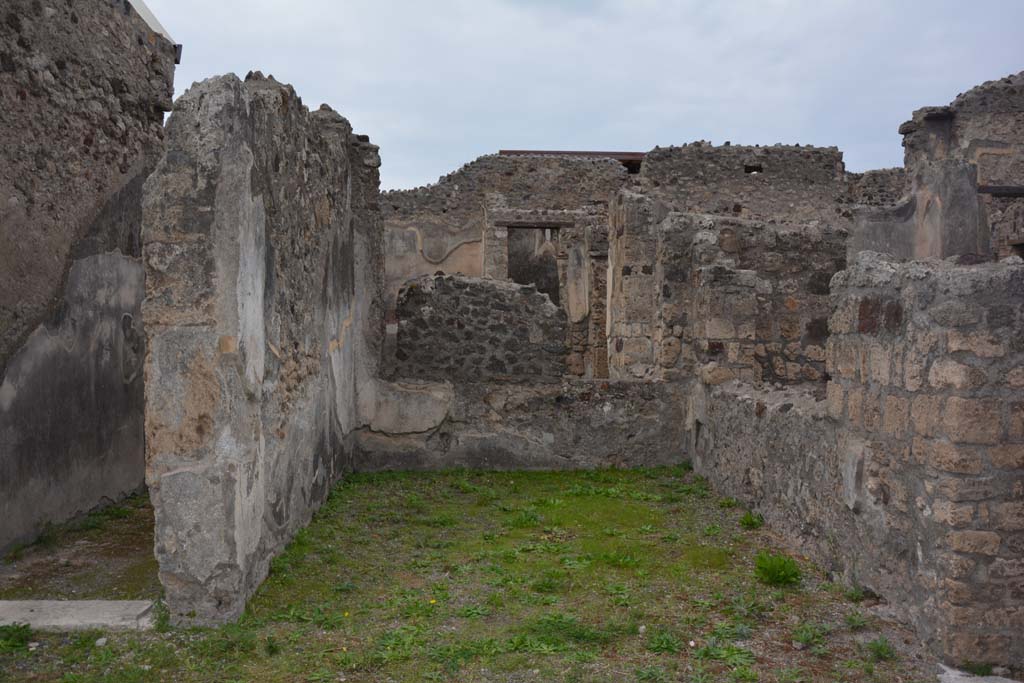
x,y
78,615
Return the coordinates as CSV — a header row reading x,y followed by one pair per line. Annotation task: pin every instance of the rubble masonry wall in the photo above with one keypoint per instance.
x,y
84,88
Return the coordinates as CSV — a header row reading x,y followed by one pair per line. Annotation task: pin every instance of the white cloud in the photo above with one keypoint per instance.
x,y
437,84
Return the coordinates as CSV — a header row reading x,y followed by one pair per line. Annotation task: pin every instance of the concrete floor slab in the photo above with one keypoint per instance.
x,y
78,615
953,676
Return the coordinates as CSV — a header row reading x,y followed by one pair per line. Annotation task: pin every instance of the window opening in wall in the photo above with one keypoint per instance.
x,y
753,168
1017,249
532,259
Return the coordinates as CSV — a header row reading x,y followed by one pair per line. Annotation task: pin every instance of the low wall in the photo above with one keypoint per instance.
x,y
572,424
263,317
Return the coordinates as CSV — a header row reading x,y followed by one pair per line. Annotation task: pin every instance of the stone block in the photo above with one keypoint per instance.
x,y
948,457
959,593
896,415
855,406
974,542
1001,569
714,374
1016,431
953,514
969,489
973,420
835,396
790,327
78,615
719,328
844,317
1007,456
948,373
879,363
981,344
669,351
926,414
872,415
1008,516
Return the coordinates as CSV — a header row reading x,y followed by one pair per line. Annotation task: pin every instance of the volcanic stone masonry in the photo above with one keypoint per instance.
x,y
263,282
84,87
842,352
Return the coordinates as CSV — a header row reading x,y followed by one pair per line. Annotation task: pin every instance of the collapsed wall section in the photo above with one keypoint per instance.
x,y
84,88
441,227
470,329
262,257
479,380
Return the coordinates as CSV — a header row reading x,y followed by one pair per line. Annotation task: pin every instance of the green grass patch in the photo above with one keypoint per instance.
x,y
776,570
483,576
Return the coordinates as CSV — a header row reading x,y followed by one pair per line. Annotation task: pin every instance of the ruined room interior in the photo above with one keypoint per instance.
x,y
234,321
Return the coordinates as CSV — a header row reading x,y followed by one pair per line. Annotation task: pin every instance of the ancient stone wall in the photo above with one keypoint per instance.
x,y
572,424
883,187
927,361
965,164
579,249
479,380
908,479
791,183
84,87
262,265
472,330
441,227
719,296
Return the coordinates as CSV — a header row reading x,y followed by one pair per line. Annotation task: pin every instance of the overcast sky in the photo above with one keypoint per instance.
x,y
437,83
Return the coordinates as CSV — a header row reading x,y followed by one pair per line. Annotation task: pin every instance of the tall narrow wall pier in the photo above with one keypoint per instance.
x,y
965,164
84,87
263,279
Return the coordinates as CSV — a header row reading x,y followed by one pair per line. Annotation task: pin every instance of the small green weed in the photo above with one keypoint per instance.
x,y
855,594
473,611
881,649
664,642
14,637
751,520
776,570
655,674
977,669
856,620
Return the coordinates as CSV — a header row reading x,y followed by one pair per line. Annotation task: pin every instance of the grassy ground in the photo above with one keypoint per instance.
x,y
593,576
